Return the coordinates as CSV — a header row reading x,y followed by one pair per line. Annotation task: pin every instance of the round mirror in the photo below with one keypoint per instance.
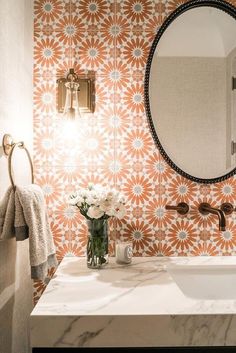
x,y
190,90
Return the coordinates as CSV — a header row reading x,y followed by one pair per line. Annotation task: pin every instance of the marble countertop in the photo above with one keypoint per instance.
x,y
129,305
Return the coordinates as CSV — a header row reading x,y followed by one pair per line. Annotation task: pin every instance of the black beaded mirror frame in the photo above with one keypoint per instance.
x,y
219,4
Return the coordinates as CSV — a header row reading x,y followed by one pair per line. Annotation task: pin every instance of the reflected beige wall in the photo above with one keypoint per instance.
x,y
189,110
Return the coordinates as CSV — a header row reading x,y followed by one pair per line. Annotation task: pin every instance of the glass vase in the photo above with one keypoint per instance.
x,y
97,245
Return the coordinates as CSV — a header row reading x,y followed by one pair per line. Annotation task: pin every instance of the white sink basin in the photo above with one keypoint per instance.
x,y
205,277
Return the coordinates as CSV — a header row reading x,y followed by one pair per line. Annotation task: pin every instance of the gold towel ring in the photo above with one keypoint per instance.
x,y
8,147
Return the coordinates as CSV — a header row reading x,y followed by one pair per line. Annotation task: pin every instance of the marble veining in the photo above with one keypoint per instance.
x,y
131,305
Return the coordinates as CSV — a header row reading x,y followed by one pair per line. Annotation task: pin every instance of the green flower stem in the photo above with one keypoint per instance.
x,y
97,246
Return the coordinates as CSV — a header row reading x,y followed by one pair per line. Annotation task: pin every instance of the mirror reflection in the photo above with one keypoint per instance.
x,y
191,92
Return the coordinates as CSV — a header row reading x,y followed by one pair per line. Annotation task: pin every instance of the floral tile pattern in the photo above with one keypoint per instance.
x,y
113,146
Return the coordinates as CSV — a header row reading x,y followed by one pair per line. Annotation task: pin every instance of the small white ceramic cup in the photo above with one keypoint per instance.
x,y
124,252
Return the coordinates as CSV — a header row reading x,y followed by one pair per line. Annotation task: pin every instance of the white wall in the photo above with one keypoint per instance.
x,y
16,41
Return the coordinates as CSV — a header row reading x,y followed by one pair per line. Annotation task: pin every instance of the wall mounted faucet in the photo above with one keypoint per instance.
x,y
205,208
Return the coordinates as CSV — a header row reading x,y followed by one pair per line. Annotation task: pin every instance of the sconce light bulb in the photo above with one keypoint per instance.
x,y
71,109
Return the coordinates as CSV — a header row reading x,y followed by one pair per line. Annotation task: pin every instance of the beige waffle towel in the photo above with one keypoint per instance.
x,y
31,221
7,215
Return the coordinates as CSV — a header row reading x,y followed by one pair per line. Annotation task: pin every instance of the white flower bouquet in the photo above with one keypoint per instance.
x,y
97,204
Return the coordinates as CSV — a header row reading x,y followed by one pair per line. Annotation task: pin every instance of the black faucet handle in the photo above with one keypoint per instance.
x,y
227,208
182,208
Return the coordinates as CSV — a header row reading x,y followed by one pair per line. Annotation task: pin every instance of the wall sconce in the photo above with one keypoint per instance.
x,y
76,95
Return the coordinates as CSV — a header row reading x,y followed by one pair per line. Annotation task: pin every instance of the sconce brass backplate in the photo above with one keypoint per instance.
x,y
7,143
86,94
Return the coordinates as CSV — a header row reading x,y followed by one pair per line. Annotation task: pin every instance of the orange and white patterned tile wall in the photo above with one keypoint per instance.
x,y
113,146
